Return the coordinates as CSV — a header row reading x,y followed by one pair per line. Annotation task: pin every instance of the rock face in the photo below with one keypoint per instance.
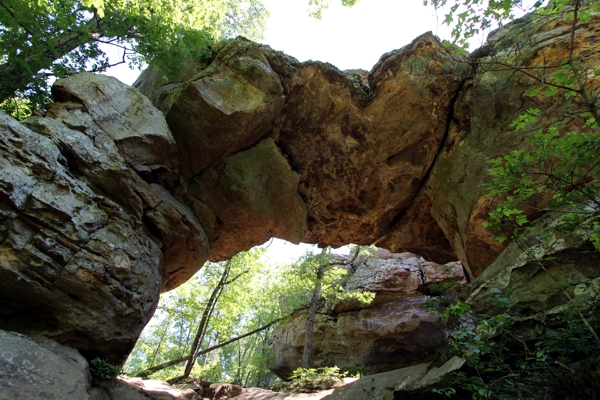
x,y
480,128
396,330
108,198
40,369
358,154
85,243
572,261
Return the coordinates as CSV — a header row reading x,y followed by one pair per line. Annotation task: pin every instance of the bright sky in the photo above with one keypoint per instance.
x,y
346,37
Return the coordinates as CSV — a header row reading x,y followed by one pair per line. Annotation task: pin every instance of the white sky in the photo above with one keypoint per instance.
x,y
346,37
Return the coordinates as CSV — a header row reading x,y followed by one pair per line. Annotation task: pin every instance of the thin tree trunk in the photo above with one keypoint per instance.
x,y
312,313
164,333
179,360
208,310
310,326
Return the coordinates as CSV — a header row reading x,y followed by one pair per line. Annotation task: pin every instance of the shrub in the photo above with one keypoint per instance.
x,y
311,380
102,370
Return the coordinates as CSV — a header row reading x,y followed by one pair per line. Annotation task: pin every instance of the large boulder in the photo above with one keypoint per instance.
x,y
40,369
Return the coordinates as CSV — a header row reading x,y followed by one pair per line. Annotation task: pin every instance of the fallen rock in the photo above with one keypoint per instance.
x,y
221,391
410,383
40,369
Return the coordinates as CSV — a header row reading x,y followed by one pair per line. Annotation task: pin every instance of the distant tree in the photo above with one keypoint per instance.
x,y
215,326
321,277
316,7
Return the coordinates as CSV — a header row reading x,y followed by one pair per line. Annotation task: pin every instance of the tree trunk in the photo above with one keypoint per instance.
x,y
310,326
312,313
146,372
208,310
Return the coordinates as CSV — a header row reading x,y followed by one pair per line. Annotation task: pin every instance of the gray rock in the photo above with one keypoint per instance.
x,y
40,369
406,383
570,259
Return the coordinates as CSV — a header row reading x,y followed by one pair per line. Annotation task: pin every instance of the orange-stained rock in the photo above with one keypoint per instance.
x,y
480,126
361,146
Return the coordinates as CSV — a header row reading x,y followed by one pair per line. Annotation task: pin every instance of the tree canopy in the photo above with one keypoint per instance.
x,y
46,39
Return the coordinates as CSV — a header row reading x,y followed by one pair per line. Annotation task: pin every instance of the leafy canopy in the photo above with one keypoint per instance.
x,y
41,40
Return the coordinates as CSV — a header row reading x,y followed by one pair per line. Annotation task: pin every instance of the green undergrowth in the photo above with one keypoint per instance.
x,y
102,370
520,355
312,380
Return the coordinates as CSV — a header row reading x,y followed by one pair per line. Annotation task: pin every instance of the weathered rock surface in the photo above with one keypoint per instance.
x,y
138,389
410,383
85,243
40,369
250,197
479,129
103,204
568,259
361,153
396,330
396,156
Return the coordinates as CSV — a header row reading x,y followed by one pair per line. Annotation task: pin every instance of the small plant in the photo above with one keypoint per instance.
x,y
358,371
311,380
102,370
439,289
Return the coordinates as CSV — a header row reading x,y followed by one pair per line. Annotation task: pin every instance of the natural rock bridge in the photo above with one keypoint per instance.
x,y
105,201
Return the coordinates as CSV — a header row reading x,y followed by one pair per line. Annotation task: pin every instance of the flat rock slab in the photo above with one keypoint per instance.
x,y
40,369
264,394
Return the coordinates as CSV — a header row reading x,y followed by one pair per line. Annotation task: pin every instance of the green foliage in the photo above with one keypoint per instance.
x,y
556,161
358,371
311,380
438,289
301,279
515,355
246,304
102,370
519,356
566,165
469,18
583,382
457,309
316,7
46,39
